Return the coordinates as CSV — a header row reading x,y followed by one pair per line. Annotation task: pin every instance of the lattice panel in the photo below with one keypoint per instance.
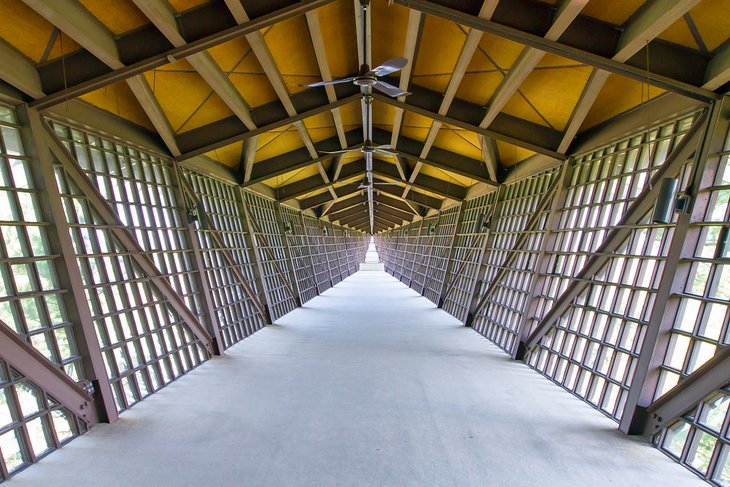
x,y
144,343
139,187
32,424
593,349
701,439
500,317
300,253
441,248
237,316
271,252
467,251
317,252
31,298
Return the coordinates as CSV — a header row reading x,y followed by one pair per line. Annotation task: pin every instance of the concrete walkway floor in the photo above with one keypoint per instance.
x,y
368,384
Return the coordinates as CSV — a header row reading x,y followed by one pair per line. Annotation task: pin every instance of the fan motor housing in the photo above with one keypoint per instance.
x,y
365,81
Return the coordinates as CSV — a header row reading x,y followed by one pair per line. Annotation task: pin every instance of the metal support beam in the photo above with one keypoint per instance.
x,y
224,251
170,55
519,243
450,259
560,49
39,370
711,376
127,240
68,273
259,235
621,231
653,349
287,253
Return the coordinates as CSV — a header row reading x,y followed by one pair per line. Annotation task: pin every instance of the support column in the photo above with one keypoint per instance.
x,y
287,253
450,260
541,265
258,269
309,252
646,375
67,269
211,319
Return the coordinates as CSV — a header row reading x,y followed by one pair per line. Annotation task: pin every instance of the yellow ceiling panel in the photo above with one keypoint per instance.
x,y
30,33
182,93
236,58
552,92
484,73
389,28
119,16
679,33
415,126
510,154
292,50
183,5
459,141
521,107
712,21
277,142
337,25
441,44
320,126
118,99
618,95
292,176
449,177
212,109
383,115
351,116
229,155
612,11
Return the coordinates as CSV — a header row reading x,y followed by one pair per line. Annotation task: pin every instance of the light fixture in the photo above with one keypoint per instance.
x,y
666,201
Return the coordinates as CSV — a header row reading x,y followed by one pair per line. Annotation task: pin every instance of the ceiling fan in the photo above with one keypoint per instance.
x,y
367,148
369,77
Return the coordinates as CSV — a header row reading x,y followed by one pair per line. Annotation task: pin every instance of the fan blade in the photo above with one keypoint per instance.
x,y
385,152
387,184
383,147
389,66
345,151
389,89
333,82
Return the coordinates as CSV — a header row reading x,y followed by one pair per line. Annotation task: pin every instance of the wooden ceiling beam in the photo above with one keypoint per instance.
x,y
162,53
76,22
467,52
529,58
413,36
161,15
664,74
266,60
18,71
644,26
